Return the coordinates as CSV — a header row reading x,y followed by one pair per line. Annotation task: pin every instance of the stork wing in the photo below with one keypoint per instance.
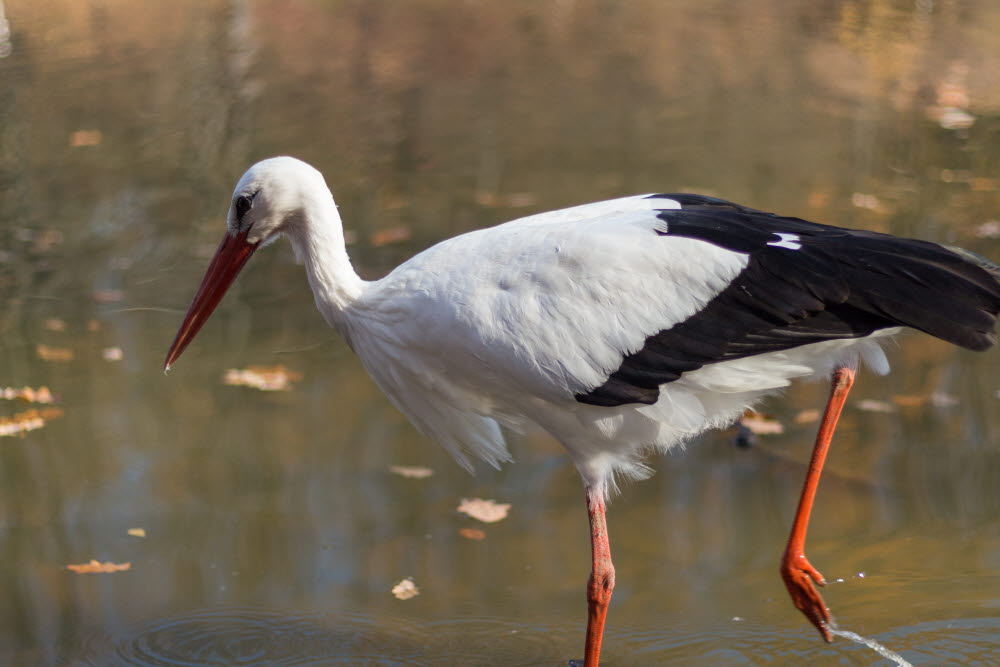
x,y
803,283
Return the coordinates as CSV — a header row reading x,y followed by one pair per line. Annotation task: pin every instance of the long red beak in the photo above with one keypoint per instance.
x,y
233,253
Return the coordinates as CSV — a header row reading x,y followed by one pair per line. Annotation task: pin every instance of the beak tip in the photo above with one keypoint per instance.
x,y
168,363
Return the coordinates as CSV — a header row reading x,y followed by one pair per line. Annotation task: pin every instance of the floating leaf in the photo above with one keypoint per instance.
x,y
513,200
939,399
112,354
265,378
405,589
910,401
951,118
521,199
807,416
108,295
411,472
489,199
95,566
869,405
391,235
29,420
759,424
54,324
137,532
487,511
49,353
818,199
983,184
472,534
85,138
862,200
45,239
988,230
40,395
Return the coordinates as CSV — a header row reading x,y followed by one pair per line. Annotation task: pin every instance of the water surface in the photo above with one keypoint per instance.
x,y
274,529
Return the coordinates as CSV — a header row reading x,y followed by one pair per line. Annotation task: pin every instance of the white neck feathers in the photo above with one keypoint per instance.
x,y
318,240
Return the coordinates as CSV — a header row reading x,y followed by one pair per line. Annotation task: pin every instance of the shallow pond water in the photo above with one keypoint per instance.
x,y
273,528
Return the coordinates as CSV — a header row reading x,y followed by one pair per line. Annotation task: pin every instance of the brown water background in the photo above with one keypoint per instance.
x,y
274,529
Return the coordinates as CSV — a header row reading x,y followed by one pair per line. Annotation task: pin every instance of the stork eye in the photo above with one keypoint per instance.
x,y
242,204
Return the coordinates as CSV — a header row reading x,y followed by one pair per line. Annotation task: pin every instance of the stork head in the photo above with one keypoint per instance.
x,y
273,197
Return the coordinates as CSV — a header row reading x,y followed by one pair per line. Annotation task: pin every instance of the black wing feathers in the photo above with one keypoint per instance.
x,y
805,283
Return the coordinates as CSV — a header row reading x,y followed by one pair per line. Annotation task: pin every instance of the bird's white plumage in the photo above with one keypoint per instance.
x,y
509,323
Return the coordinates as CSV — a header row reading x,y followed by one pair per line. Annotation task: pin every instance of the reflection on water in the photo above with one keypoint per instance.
x,y
123,127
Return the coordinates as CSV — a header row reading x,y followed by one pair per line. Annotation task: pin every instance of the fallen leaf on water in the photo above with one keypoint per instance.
x,y
137,532
46,239
939,399
869,405
95,566
513,200
862,200
40,395
391,235
807,416
982,184
85,138
486,511
112,354
909,400
411,472
49,353
54,324
936,399
521,199
108,295
29,420
762,424
265,378
405,589
988,230
818,199
487,198
472,534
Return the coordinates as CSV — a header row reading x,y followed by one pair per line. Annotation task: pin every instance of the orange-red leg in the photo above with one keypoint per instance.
x,y
602,579
797,572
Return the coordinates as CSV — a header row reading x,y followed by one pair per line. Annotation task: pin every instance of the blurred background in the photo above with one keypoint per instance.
x,y
265,527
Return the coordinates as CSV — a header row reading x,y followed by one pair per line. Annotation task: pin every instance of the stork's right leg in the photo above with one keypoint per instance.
x,y
602,578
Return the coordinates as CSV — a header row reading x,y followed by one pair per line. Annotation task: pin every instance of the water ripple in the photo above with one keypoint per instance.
x,y
247,637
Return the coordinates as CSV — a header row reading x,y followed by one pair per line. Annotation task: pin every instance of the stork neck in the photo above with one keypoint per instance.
x,y
319,244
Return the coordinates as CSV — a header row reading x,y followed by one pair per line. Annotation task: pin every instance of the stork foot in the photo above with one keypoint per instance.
x,y
800,580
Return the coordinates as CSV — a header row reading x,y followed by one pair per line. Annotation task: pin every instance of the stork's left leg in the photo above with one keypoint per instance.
x,y
602,578
798,574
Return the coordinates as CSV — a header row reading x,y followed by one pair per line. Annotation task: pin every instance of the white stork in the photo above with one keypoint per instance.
x,y
621,327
